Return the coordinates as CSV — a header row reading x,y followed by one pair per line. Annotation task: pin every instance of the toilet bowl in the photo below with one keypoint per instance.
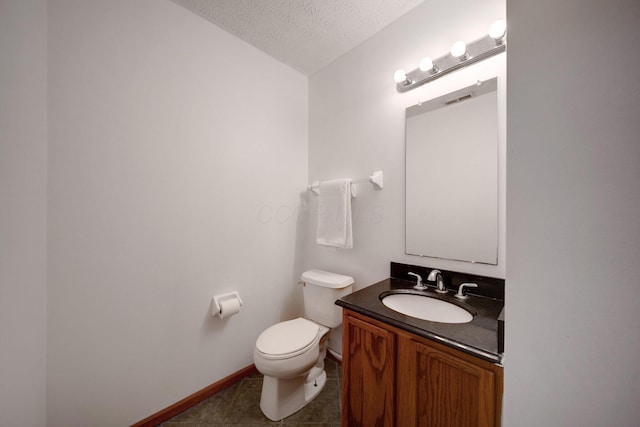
x,y
293,368
289,349
291,354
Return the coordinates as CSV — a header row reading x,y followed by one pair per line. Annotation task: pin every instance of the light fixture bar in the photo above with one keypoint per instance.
x,y
477,50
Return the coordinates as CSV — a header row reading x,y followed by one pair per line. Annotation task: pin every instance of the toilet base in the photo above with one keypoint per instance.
x,y
282,397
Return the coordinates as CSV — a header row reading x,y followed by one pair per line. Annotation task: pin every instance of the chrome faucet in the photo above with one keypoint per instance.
x,y
419,286
436,275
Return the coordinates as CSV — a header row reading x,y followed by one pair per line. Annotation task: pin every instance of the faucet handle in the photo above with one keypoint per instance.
x,y
419,285
461,294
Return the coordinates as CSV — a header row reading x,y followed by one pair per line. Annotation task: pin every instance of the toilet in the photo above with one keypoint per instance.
x,y
291,354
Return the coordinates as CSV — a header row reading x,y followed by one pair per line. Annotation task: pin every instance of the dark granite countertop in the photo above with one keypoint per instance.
x,y
478,337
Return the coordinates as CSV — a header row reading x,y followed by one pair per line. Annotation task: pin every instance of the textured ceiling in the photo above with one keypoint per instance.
x,y
304,34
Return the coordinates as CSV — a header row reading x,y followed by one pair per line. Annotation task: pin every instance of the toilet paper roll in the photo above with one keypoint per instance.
x,y
229,307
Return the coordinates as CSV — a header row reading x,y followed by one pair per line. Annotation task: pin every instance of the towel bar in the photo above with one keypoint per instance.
x,y
377,179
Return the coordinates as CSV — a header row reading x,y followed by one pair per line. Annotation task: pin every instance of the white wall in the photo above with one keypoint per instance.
x,y
23,160
357,126
573,302
172,144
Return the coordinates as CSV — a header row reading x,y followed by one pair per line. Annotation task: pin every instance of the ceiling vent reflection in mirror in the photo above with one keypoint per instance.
x,y
461,55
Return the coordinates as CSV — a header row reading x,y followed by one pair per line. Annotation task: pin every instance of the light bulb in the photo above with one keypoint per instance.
x,y
459,50
498,29
426,64
400,76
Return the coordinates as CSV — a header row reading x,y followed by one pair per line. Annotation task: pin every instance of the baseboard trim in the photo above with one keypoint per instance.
x,y
197,397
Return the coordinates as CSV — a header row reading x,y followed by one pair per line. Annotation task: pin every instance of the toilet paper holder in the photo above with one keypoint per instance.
x,y
216,307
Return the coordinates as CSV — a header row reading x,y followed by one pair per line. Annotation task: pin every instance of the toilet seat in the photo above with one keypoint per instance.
x,y
288,339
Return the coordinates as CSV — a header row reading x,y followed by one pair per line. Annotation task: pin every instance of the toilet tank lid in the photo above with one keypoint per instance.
x,y
326,279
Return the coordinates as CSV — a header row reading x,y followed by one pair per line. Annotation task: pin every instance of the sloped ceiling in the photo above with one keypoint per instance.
x,y
304,34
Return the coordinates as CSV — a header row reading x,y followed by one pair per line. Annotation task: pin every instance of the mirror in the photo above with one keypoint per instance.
x,y
452,176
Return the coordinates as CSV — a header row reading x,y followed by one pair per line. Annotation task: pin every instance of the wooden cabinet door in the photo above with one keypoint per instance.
x,y
438,388
368,374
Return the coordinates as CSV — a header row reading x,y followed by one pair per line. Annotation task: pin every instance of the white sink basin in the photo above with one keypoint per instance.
x,y
426,308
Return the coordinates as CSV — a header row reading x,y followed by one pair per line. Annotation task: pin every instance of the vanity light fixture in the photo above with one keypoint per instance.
x,y
497,31
459,50
426,65
400,77
461,55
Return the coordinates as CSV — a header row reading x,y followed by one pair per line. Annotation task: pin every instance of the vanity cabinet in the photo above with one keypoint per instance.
x,y
394,378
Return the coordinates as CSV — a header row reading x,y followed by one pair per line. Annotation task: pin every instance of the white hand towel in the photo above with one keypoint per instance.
x,y
334,214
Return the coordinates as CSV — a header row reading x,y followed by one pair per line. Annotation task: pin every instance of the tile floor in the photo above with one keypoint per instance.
x,y
239,406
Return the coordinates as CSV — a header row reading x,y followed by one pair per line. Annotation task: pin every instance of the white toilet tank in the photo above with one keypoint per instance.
x,y
321,290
